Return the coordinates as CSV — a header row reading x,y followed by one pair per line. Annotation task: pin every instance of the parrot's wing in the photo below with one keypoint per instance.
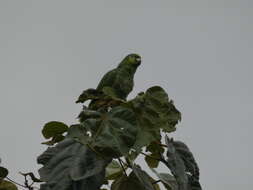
x,y
108,79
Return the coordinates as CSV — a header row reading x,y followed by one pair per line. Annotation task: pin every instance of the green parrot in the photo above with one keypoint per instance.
x,y
121,79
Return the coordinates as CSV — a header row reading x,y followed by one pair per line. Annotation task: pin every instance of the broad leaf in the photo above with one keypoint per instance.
x,y
88,114
113,170
53,129
132,155
3,172
132,182
71,165
151,161
79,133
155,147
143,177
54,140
167,115
127,183
180,158
114,132
188,158
168,180
154,112
176,165
156,150
6,185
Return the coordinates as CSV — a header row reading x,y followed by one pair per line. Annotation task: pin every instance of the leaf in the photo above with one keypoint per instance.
x,y
71,165
3,172
152,163
159,102
176,165
154,112
168,180
127,183
156,150
143,177
113,170
87,114
132,155
6,185
54,140
155,184
178,149
188,158
79,133
155,147
53,129
115,131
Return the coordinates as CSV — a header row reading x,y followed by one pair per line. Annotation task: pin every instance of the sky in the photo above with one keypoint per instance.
x,y
199,51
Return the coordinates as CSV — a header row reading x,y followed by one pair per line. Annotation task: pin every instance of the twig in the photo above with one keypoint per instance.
x,y
15,182
128,162
120,161
155,182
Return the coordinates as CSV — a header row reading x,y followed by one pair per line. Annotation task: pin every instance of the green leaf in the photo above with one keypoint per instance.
x,y
155,184
156,150
113,170
143,177
54,140
157,100
6,185
154,112
115,131
132,155
3,172
155,147
127,183
168,180
54,128
88,114
79,133
152,163
71,165
176,164
182,164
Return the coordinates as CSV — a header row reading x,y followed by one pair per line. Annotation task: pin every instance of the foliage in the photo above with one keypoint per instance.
x,y
99,151
4,184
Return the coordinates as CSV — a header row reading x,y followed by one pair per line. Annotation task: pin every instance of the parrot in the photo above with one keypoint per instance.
x,y
121,79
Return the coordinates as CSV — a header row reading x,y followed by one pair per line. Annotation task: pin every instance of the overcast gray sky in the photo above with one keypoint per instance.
x,y
199,51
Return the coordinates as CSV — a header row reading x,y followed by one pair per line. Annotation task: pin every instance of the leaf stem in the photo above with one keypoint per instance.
x,y
15,182
120,161
155,182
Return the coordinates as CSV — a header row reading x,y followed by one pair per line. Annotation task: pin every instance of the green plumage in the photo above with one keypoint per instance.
x,y
121,79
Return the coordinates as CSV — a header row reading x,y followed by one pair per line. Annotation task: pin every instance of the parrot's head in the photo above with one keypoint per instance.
x,y
132,60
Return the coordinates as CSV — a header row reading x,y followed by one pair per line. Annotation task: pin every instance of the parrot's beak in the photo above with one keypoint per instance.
x,y
138,60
